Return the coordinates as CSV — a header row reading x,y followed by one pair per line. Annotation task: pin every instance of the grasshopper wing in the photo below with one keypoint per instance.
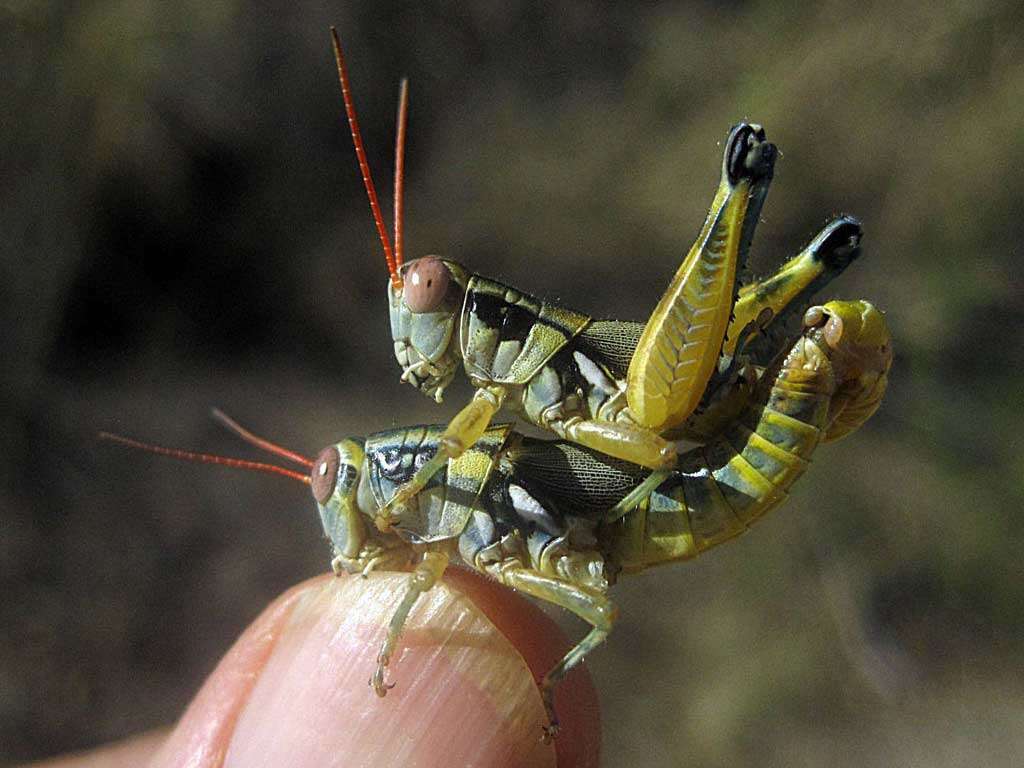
x,y
681,342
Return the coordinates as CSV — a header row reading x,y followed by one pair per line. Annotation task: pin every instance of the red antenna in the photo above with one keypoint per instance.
x,y
206,458
364,168
403,109
259,442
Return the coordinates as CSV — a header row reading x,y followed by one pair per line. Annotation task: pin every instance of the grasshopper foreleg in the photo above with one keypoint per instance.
x,y
425,576
463,431
370,558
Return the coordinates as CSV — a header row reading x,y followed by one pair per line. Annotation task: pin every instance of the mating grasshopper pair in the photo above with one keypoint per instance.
x,y
531,513
717,365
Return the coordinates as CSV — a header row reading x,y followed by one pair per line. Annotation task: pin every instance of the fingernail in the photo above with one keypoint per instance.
x,y
463,695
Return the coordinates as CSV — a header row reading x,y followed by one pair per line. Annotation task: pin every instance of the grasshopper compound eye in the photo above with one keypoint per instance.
x,y
324,474
426,283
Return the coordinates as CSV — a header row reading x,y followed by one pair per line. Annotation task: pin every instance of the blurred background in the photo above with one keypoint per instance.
x,y
183,225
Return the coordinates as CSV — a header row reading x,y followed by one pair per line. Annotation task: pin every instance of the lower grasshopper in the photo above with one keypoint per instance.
x,y
624,388
531,513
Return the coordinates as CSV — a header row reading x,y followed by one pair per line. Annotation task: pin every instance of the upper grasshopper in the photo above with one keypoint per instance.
x,y
627,389
530,513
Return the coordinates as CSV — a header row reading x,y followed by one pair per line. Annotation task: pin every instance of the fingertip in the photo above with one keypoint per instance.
x,y
293,690
463,695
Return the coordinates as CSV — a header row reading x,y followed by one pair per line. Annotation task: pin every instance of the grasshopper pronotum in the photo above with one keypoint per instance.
x,y
530,513
630,390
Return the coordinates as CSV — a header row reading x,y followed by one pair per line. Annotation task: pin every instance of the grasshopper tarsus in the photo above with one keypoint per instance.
x,y
379,686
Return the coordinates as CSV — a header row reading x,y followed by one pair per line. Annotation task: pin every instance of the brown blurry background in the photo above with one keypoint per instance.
x,y
183,226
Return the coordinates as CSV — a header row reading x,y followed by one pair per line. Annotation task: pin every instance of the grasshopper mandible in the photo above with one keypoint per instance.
x,y
530,513
627,389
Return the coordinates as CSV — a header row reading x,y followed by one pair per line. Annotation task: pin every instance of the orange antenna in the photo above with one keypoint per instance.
x,y
364,167
206,458
259,442
403,109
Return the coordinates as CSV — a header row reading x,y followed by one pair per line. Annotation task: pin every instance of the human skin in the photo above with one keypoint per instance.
x,y
293,688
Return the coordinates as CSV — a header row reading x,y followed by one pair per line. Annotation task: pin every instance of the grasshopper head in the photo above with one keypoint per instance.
x,y
425,296
856,337
425,309
334,480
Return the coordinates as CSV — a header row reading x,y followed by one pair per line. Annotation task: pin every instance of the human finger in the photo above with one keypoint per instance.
x,y
293,690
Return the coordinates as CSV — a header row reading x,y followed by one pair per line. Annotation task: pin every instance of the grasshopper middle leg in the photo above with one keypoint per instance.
x,y
590,605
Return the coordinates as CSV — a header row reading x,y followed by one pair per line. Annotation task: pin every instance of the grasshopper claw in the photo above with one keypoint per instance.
x,y
396,505
452,447
377,681
547,695
373,563
402,497
379,686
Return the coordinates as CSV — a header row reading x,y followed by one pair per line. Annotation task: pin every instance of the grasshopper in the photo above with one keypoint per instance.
x,y
627,389
530,513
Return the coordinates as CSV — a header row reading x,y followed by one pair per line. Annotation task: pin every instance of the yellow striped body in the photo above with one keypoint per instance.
x,y
724,487
827,384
